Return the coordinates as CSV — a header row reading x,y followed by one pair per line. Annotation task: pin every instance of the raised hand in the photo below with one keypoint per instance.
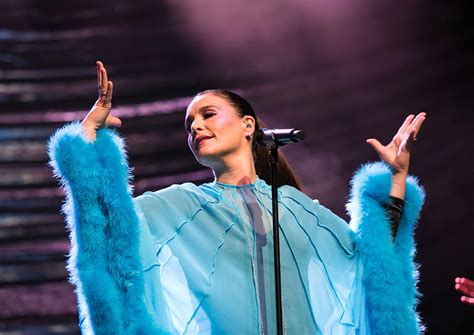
x,y
466,287
397,152
99,115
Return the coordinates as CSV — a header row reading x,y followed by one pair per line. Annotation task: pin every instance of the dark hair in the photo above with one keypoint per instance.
x,y
286,175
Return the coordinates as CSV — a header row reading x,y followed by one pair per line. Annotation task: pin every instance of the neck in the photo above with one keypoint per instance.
x,y
238,173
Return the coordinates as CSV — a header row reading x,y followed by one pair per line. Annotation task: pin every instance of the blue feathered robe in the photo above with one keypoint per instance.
x,y
199,259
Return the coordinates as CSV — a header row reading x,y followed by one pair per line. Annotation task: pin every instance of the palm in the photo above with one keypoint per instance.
x,y
100,111
397,152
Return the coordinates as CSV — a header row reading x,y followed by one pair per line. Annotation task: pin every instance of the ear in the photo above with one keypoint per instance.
x,y
248,123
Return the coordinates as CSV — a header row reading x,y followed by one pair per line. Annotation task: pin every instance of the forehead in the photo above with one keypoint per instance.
x,y
204,100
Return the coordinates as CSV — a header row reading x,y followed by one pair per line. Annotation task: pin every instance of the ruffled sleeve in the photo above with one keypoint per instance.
x,y
390,274
104,261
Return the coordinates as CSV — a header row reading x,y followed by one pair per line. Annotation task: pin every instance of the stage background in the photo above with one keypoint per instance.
x,y
341,70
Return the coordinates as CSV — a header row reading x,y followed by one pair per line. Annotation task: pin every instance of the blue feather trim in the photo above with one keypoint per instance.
x,y
389,275
104,261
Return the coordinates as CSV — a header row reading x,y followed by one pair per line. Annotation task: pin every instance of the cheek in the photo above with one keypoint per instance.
x,y
190,144
227,126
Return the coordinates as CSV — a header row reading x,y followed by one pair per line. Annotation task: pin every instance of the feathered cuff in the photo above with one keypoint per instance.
x,y
390,273
104,260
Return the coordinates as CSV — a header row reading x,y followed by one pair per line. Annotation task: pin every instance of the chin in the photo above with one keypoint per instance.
x,y
206,160
209,158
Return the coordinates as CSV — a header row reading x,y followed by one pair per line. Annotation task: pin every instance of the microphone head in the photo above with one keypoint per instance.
x,y
278,137
297,135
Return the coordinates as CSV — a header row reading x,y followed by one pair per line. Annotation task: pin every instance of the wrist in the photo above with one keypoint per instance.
x,y
400,174
398,184
88,131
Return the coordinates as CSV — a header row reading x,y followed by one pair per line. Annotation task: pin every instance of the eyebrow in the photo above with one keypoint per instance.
x,y
190,119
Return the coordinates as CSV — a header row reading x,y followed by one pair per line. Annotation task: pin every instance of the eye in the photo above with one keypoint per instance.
x,y
207,115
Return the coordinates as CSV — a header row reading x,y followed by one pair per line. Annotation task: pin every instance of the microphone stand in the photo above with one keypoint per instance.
x,y
273,156
272,139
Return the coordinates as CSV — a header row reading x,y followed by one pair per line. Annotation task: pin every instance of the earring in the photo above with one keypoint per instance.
x,y
248,137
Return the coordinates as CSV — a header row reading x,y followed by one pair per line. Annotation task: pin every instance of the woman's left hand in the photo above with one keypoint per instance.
x,y
397,152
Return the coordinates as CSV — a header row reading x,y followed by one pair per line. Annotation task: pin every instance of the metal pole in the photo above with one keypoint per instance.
x,y
276,238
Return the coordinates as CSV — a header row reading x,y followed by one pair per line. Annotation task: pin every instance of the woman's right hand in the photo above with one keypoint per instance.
x,y
99,115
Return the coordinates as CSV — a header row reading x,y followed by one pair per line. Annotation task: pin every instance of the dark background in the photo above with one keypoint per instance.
x,y
341,70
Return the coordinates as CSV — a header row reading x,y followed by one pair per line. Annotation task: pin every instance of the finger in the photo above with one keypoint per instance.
x,y
99,77
376,145
105,79
464,289
465,282
102,79
113,121
103,84
108,94
417,123
411,136
405,124
102,76
467,300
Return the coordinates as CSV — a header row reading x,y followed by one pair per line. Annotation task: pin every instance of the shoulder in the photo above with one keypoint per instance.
x,y
171,191
178,199
325,218
177,194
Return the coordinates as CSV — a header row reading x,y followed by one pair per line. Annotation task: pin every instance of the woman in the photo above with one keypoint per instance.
x,y
198,259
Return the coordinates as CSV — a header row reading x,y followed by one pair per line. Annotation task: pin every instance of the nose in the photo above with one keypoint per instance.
x,y
196,126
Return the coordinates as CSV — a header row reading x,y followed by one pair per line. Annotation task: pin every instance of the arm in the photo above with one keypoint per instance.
x,y
397,155
394,211
104,261
390,273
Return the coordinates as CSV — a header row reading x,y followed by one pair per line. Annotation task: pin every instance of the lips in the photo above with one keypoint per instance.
x,y
199,139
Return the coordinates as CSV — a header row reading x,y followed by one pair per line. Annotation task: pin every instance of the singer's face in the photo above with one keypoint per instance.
x,y
215,129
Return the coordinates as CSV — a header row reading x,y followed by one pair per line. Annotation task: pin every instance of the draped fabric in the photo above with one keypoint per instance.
x,y
210,248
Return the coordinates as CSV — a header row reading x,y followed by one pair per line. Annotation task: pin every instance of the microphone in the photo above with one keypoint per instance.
x,y
278,137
